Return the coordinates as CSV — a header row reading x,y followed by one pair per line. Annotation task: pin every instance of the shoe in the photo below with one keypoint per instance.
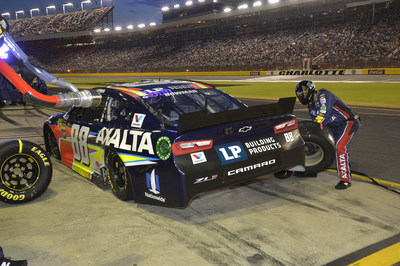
x,y
9,262
342,185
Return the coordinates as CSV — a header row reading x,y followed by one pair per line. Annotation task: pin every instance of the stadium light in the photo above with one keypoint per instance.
x,y
85,2
227,9
97,30
67,4
165,9
107,29
152,24
34,9
273,1
6,14
177,6
201,1
257,3
141,26
49,7
130,27
19,12
118,28
189,3
243,6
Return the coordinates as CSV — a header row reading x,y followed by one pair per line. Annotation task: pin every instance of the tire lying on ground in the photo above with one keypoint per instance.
x,y
25,171
319,146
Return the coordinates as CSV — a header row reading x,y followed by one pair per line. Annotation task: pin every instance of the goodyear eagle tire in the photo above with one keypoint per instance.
x,y
118,176
319,146
25,171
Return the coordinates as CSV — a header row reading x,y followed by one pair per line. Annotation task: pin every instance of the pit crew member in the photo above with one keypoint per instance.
x,y
330,111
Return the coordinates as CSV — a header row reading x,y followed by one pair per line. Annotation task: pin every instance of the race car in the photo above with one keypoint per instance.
x,y
164,142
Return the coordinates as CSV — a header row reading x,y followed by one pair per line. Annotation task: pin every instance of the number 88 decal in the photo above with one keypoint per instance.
x,y
79,136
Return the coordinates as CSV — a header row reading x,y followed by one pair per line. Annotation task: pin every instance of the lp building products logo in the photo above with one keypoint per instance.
x,y
231,153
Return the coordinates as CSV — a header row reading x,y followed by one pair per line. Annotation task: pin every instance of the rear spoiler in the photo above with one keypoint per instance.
x,y
202,119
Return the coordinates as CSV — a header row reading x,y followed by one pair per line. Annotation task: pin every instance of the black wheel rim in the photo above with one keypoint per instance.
x,y
118,172
314,154
53,144
20,172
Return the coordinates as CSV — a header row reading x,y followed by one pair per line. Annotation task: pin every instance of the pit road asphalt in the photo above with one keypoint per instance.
x,y
296,221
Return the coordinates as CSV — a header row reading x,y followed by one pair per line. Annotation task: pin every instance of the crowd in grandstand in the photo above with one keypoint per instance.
x,y
62,22
352,42
355,41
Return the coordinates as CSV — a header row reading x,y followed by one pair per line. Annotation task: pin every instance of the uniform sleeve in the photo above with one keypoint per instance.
x,y
321,109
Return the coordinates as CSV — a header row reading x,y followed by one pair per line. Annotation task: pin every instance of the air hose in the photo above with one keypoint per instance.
x,y
84,98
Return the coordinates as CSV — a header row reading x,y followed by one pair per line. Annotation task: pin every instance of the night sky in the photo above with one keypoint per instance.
x,y
126,12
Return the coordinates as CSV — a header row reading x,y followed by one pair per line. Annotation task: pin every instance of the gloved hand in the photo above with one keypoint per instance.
x,y
4,26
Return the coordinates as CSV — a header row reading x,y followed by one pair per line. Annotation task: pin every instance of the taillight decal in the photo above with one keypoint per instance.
x,y
286,126
185,147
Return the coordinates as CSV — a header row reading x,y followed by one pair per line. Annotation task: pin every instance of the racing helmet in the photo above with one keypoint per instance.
x,y
305,91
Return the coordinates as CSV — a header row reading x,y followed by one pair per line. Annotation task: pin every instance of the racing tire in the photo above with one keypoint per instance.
x,y
118,176
51,143
25,171
319,146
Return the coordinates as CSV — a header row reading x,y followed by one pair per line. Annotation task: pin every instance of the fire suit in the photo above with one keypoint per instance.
x,y
329,110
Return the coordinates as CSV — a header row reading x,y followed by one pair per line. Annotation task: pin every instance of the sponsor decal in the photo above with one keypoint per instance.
x,y
251,167
153,185
129,140
376,72
312,72
138,120
255,73
262,145
163,148
231,153
343,166
205,179
198,157
245,129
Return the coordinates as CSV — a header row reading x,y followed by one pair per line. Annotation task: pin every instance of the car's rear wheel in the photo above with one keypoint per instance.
x,y
52,143
319,146
25,171
118,177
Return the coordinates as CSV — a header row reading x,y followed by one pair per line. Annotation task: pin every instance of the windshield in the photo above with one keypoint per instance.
x,y
168,107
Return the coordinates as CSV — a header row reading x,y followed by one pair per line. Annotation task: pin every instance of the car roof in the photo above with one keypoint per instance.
x,y
154,88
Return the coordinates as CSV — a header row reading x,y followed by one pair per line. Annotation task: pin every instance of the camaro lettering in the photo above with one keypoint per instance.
x,y
262,145
121,139
251,167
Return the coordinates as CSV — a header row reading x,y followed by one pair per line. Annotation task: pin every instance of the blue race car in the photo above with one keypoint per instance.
x,y
165,142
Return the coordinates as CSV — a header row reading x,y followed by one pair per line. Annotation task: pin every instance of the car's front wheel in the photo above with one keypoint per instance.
x,y
118,176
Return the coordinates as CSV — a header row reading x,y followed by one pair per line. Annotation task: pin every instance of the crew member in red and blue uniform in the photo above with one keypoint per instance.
x,y
330,111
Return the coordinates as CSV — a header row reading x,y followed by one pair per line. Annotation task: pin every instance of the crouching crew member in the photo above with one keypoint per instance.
x,y
327,109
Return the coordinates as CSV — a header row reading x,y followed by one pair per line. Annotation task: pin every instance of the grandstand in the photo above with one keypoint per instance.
x,y
285,35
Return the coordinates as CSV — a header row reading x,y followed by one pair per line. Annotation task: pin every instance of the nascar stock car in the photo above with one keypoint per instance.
x,y
164,142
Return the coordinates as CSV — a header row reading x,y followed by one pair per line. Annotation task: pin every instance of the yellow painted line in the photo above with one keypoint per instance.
x,y
387,256
380,181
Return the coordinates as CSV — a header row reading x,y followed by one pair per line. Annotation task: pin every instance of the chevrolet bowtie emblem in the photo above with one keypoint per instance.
x,y
245,129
